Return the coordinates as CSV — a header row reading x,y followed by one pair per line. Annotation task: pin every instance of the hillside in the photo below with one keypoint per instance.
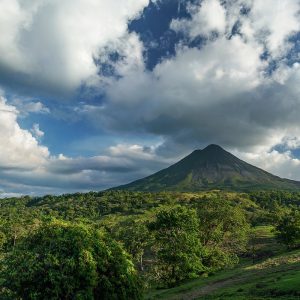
x,y
124,217
268,278
211,168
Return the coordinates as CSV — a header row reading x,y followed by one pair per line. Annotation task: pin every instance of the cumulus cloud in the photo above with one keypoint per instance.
x,y
290,142
52,45
220,92
270,23
26,107
129,50
207,16
18,148
36,131
196,95
281,164
28,167
61,174
273,22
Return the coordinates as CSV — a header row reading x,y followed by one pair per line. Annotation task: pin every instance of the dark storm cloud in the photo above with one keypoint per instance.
x,y
187,103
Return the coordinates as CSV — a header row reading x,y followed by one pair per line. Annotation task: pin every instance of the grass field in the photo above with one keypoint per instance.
x,y
275,274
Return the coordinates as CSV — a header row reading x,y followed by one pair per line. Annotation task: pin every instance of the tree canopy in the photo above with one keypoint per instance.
x,y
223,231
288,229
179,251
68,261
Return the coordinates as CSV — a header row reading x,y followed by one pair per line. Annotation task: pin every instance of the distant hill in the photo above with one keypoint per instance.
x,y
211,168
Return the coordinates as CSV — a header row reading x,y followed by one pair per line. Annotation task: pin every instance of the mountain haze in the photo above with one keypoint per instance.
x,y
211,168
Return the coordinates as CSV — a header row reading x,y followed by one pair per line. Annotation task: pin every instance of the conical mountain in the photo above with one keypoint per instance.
x,y
211,168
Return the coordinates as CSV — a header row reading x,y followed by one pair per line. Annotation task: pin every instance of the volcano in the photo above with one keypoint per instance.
x,y
211,168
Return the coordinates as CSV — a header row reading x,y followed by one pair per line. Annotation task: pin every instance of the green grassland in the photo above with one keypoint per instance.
x,y
277,276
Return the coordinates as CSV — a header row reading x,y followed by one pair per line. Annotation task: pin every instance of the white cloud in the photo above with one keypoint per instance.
x,y
36,131
25,107
273,22
207,16
26,167
291,142
52,44
134,151
64,174
195,95
18,148
281,164
270,23
220,91
14,18
130,50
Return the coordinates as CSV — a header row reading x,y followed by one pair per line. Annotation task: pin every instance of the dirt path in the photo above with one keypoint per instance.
x,y
208,289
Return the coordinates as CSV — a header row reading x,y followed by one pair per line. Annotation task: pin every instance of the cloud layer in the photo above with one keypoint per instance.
x,y
237,87
27,167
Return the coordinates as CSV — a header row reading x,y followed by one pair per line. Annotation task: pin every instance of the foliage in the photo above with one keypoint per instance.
x,y
276,277
179,251
223,232
272,199
288,229
135,236
217,239
67,261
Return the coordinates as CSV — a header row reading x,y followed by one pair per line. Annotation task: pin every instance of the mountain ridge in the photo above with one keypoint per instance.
x,y
210,168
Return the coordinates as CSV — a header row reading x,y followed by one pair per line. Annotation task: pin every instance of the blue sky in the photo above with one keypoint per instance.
x,y
99,93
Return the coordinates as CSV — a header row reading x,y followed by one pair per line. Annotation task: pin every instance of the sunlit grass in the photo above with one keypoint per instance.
x,y
276,262
277,277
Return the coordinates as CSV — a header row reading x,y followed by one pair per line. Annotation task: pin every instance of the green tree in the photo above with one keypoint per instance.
x,y
135,236
65,261
288,229
2,234
223,231
179,252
